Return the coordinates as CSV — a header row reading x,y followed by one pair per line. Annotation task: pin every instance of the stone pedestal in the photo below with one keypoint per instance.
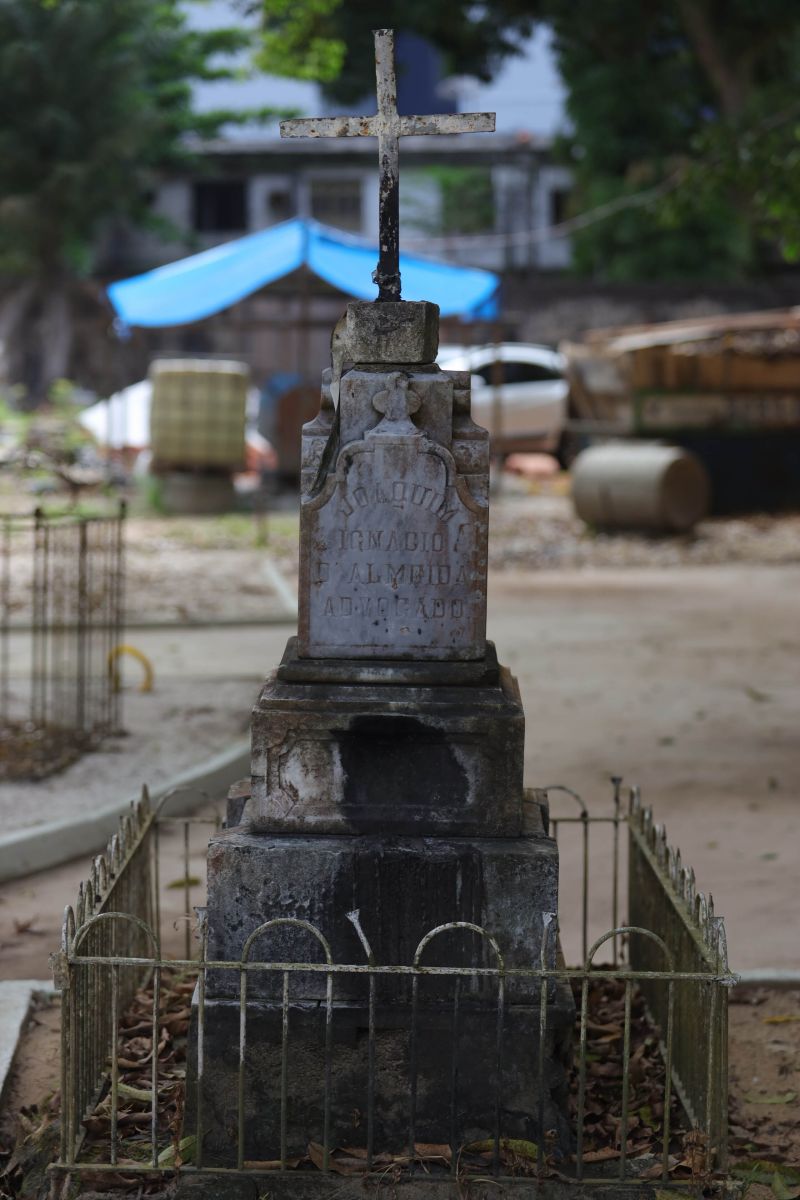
x,y
386,800
347,750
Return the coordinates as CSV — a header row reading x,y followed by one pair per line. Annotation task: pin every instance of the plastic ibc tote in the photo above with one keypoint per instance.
x,y
197,413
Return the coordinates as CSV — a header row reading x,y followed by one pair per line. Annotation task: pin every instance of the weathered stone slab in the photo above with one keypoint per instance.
x,y
389,671
394,543
402,887
403,331
371,757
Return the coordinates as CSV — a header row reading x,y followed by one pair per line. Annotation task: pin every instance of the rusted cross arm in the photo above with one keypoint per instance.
x,y
330,127
447,123
406,126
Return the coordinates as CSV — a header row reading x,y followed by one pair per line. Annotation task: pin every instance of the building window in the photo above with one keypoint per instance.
x,y
279,206
337,202
559,205
220,206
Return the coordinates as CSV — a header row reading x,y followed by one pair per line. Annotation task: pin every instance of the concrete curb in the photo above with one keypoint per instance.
x,y
16,996
25,851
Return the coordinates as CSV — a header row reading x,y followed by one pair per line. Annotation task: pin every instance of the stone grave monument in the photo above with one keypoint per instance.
x,y
386,796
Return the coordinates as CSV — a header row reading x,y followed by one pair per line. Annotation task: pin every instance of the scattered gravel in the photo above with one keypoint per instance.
x,y
541,531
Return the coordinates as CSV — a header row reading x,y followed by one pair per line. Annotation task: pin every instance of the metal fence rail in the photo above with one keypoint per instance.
x,y
672,950
663,896
61,616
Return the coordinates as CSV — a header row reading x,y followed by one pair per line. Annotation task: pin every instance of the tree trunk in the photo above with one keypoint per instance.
x,y
36,336
731,80
56,333
15,306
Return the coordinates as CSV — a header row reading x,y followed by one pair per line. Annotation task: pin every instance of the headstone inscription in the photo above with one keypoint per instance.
x,y
387,771
396,535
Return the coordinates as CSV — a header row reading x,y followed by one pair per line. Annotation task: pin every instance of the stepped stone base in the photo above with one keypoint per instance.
x,y
347,747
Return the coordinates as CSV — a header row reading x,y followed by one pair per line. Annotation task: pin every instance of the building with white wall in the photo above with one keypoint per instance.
x,y
482,200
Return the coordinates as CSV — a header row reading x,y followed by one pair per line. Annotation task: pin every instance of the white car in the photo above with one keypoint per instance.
x,y
519,392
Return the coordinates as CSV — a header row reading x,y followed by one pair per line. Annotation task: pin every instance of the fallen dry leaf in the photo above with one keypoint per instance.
x,y
602,1155
28,926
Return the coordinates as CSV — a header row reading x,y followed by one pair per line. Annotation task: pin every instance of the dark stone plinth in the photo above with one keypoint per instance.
x,y
402,887
479,1085
441,758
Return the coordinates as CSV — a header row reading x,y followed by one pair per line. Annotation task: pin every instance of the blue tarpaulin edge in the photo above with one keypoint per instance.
x,y
206,283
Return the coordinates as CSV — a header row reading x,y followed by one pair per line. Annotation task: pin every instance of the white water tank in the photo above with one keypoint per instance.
x,y
640,485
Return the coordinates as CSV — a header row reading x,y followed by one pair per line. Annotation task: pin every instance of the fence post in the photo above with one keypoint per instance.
x,y
81,627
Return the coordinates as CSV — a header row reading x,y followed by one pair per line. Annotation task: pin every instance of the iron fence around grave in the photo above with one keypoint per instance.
x,y
676,958
61,618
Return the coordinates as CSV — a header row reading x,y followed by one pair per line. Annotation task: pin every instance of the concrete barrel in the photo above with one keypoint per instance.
x,y
640,485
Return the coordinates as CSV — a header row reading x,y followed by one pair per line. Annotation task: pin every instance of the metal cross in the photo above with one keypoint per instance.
x,y
388,127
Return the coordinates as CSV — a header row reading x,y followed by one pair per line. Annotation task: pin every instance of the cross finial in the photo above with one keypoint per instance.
x,y
388,126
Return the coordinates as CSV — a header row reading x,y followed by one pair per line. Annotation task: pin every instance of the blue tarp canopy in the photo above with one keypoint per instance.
x,y
206,283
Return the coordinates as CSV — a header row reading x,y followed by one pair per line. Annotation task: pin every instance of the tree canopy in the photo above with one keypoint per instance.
x,y
687,107
96,98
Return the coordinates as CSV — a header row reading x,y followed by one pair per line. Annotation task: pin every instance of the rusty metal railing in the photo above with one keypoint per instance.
x,y
671,950
663,896
61,616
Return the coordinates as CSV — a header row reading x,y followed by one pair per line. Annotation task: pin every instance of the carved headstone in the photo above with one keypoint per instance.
x,y
394,533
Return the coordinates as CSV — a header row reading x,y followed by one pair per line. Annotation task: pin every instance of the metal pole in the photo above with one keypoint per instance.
x,y
387,275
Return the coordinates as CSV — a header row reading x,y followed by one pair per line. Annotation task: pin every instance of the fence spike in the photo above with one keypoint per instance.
x,y
672,865
701,911
67,929
722,945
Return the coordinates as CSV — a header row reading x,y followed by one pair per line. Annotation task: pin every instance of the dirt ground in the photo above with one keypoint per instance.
x,y
764,1079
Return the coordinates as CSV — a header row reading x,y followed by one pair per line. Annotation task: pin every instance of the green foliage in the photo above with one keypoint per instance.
x,y
695,99
331,40
693,92
298,40
466,201
153,494
96,97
